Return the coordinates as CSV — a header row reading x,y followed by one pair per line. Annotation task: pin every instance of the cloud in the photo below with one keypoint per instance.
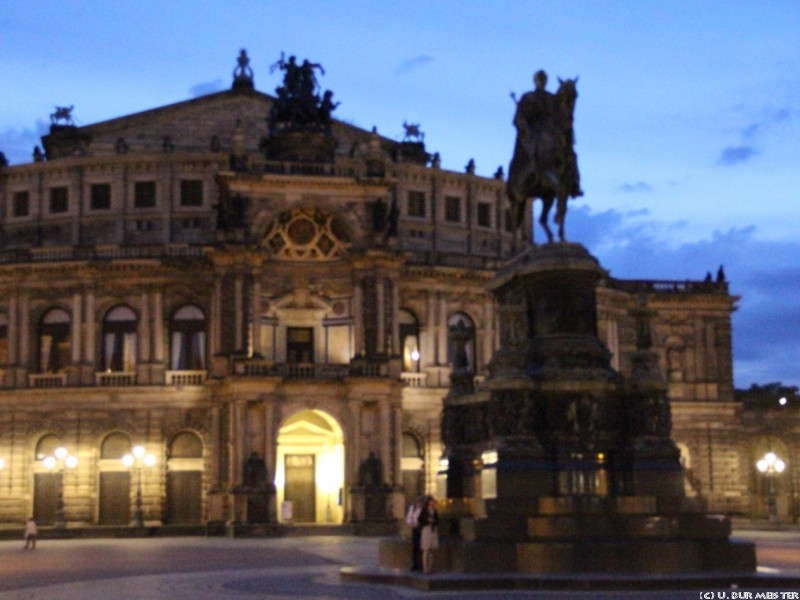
x,y
733,155
766,325
206,88
413,63
17,144
639,186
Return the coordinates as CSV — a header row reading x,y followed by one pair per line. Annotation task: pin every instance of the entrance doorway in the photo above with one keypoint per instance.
x,y
310,468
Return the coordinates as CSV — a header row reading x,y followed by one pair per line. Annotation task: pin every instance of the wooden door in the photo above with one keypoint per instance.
x,y
184,496
45,496
115,498
299,487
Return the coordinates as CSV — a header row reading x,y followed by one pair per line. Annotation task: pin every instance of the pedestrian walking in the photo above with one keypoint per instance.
x,y
412,519
429,537
31,531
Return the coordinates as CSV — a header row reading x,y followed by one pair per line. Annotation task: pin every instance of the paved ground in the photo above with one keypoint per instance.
x,y
307,567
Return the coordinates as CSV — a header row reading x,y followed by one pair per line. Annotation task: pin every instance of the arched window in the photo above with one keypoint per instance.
x,y
47,446
119,339
186,445
461,327
188,339
115,446
409,341
54,342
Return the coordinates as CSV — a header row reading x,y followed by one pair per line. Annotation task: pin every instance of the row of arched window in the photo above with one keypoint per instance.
x,y
120,340
410,339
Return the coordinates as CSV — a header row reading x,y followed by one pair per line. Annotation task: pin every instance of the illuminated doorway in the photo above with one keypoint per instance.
x,y
310,469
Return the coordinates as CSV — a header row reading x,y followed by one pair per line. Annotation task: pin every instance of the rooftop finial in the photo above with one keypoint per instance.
x,y
243,74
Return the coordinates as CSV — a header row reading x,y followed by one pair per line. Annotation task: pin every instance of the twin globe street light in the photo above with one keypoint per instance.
x,y
138,459
770,466
60,460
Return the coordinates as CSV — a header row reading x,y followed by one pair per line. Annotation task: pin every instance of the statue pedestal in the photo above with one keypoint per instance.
x,y
575,466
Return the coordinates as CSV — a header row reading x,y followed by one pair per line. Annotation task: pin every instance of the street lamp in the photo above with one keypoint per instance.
x,y
138,459
60,460
770,466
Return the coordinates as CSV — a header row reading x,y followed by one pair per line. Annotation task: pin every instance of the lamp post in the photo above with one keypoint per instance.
x,y
138,459
60,460
770,466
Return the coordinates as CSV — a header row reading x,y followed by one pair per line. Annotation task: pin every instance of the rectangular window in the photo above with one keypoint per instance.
x,y
144,194
416,204
59,200
100,196
484,214
299,345
191,192
21,206
452,209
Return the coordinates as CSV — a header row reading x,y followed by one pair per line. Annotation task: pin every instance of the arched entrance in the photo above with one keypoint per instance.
x,y
310,468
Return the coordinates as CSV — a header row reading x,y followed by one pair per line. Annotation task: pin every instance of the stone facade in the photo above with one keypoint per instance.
x,y
163,284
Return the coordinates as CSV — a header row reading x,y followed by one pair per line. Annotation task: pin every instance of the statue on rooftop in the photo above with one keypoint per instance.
x,y
300,103
62,113
544,164
243,74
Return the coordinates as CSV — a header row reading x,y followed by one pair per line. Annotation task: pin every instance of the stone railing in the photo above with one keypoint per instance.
x,y
262,368
47,380
23,255
416,380
115,378
652,286
185,377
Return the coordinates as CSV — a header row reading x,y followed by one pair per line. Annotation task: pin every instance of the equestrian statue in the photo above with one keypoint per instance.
x,y
544,164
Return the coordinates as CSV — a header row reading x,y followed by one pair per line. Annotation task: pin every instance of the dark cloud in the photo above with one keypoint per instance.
x,y
765,274
206,88
639,186
413,63
733,155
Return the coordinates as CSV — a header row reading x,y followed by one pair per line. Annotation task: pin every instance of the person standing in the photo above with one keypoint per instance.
x,y
31,531
412,519
429,536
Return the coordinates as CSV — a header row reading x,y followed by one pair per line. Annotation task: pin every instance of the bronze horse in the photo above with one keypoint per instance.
x,y
547,167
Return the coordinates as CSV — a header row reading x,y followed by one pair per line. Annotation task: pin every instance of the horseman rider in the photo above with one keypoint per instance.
x,y
538,128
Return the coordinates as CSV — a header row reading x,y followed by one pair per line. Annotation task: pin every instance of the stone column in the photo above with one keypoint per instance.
x,y
385,411
396,349
144,328
13,328
358,315
25,331
429,339
441,330
255,323
488,335
91,327
75,337
354,443
239,317
380,292
158,326
270,439
238,438
215,323
397,478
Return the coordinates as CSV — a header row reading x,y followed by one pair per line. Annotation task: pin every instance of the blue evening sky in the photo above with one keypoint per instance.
x,y
687,124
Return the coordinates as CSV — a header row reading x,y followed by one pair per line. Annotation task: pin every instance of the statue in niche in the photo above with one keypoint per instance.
x,y
370,472
255,472
544,164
